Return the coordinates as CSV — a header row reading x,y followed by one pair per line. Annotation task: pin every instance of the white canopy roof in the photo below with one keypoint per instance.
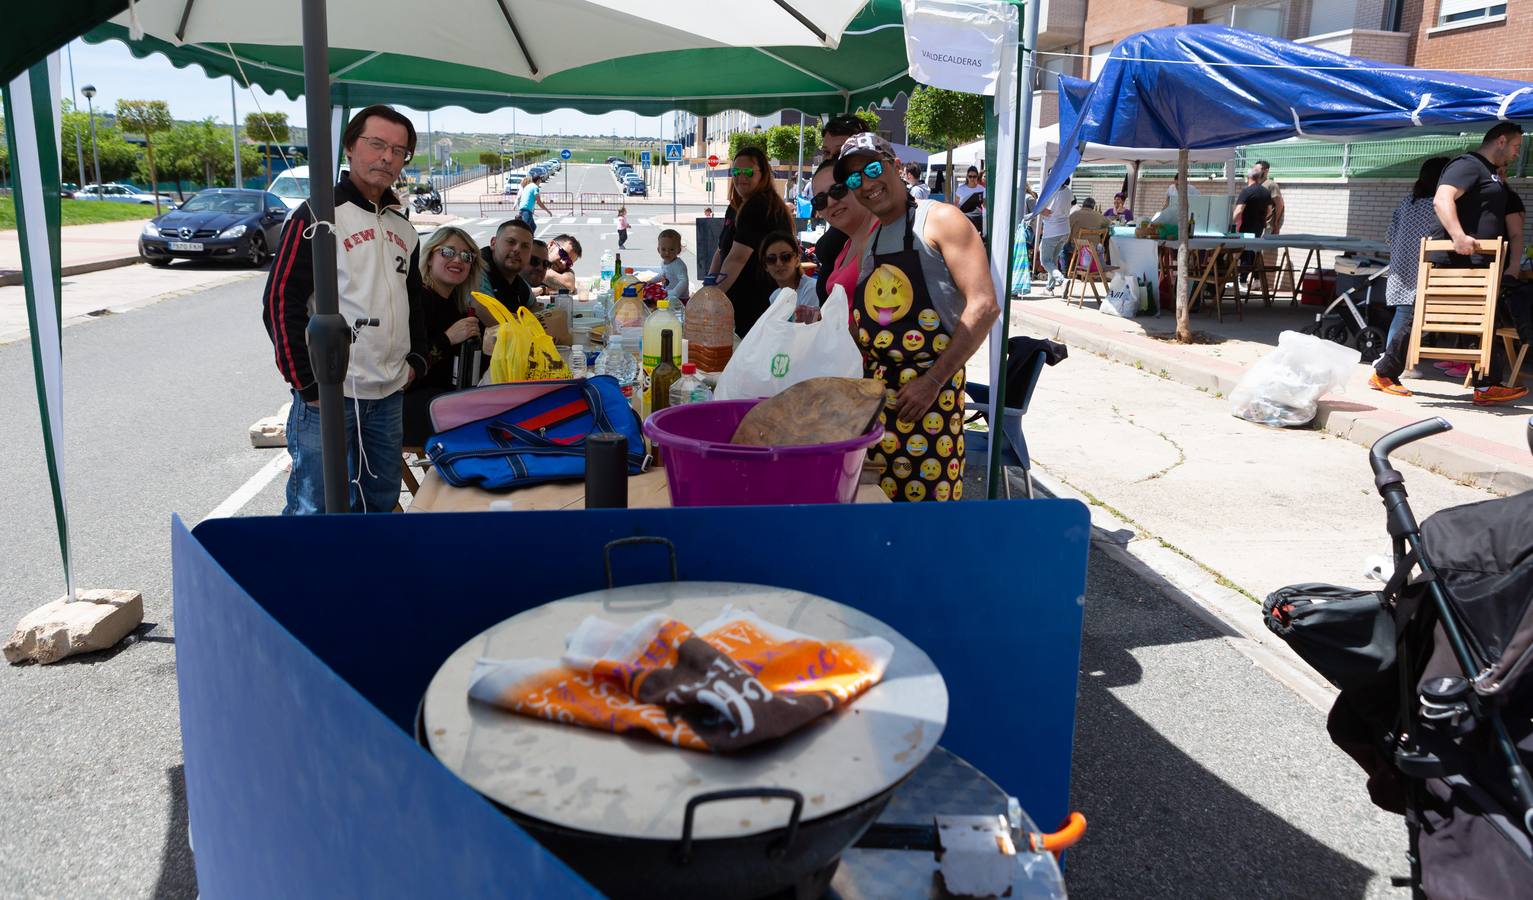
x,y
1045,145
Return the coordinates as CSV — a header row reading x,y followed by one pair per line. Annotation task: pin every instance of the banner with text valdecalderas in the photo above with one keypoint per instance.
x,y
956,44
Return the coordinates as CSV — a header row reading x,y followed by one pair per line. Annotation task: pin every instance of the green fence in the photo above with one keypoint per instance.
x,y
1397,158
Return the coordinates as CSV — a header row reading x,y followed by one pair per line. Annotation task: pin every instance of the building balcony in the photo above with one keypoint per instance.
x,y
1060,23
1392,47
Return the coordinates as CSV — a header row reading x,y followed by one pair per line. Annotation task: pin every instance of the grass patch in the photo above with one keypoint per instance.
x,y
82,212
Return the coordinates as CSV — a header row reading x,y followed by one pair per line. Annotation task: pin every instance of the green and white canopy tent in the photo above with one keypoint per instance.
x,y
701,56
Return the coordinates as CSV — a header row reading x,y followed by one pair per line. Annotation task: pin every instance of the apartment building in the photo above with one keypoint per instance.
x,y
1328,188
710,135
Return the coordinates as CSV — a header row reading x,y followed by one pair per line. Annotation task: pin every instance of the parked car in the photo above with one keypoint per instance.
x,y
121,193
634,186
614,159
292,185
231,224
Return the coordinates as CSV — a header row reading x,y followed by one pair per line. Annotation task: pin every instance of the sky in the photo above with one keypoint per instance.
x,y
193,95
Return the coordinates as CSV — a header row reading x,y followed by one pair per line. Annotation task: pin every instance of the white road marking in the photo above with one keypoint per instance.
x,y
247,491
567,220
594,220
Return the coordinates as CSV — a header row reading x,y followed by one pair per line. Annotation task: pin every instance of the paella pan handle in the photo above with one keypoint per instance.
x,y
776,850
606,552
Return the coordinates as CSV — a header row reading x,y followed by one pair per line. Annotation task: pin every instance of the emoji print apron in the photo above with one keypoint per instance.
x,y
901,335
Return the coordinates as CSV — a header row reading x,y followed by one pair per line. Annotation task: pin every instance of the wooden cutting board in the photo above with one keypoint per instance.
x,y
817,411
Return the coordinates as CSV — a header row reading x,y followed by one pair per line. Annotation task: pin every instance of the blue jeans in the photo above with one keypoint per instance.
x,y
382,444
1401,321
526,216
1048,252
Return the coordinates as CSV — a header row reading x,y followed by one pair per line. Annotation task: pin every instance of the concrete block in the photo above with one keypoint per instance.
x,y
95,621
270,431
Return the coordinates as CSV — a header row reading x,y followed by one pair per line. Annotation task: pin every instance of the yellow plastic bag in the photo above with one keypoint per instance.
x,y
523,350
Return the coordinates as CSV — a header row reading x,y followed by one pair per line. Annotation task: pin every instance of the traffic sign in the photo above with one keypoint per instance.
x,y
565,154
644,158
673,153
713,161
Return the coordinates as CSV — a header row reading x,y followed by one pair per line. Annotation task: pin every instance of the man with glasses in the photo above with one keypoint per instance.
x,y
504,262
833,135
378,276
563,253
537,267
923,307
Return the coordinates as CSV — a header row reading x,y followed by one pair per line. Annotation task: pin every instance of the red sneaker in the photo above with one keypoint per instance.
x,y
1388,385
1497,394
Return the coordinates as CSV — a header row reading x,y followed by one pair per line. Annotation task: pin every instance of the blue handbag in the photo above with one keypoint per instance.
x,y
507,436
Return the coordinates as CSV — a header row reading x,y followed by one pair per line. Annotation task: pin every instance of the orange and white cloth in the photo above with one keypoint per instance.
x,y
735,681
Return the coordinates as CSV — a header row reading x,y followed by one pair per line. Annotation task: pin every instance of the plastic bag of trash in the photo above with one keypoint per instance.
x,y
1285,386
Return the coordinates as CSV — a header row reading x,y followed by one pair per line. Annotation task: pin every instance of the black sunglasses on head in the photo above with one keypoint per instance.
x,y
822,199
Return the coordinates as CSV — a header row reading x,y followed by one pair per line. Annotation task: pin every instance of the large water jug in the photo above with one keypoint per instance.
x,y
628,316
710,328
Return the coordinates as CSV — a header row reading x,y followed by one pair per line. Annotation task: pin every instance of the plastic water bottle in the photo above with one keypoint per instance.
x,y
628,315
689,388
606,265
620,364
578,361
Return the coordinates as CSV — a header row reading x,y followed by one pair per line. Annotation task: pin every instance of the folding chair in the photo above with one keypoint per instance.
x,y
1024,362
1456,301
412,458
1092,243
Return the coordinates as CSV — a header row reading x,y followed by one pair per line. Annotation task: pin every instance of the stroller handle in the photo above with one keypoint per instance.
x,y
1378,455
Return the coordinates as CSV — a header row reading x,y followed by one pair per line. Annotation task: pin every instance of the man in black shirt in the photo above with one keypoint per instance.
x,y
1472,203
504,261
833,134
1252,206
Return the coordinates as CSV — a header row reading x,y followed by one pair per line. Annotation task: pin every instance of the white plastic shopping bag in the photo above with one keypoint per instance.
x,y
1285,386
778,353
1122,297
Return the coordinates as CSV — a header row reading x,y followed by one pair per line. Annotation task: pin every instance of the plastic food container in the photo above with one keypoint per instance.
x,y
704,469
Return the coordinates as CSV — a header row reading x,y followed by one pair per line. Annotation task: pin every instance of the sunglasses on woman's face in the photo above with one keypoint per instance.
x,y
777,259
823,198
747,171
872,170
450,253
536,262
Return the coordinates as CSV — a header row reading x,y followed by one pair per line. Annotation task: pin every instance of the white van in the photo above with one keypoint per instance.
x,y
292,185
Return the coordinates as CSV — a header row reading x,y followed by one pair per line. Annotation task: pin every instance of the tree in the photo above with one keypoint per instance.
x,y
742,139
148,118
783,142
198,150
119,159
268,128
946,118
489,159
869,118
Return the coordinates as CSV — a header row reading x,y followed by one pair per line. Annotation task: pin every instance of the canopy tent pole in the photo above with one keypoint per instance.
x,y
1129,195
1013,95
1183,311
327,336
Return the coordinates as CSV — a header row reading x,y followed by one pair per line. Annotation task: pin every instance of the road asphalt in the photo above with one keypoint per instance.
x,y
1201,775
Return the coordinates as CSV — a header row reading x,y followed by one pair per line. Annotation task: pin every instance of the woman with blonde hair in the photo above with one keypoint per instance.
x,y
450,268
756,209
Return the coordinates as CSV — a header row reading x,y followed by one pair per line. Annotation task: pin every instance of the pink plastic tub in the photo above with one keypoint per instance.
x,y
704,469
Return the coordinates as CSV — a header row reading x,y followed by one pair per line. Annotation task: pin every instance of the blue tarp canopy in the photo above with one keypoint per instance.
x,y
1205,86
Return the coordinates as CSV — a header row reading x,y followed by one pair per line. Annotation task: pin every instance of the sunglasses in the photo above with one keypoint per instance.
x,y
774,259
823,198
747,171
537,262
564,257
450,253
872,170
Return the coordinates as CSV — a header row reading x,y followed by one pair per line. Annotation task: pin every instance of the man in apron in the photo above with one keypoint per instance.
x,y
923,307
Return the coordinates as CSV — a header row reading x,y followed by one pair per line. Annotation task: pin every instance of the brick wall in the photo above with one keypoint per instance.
x,y
1493,45
1114,20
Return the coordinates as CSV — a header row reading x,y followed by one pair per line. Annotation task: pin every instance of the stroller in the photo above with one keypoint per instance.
x,y
1436,681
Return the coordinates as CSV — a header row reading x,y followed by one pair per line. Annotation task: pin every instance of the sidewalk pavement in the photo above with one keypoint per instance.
x,y
1487,447
82,248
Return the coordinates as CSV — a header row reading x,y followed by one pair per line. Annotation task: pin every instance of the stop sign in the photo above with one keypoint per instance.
x,y
713,161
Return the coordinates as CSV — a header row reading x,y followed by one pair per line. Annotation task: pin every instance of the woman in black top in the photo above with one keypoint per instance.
x,y
755,210
450,266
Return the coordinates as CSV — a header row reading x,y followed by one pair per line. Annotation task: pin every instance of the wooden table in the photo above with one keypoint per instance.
x,y
645,491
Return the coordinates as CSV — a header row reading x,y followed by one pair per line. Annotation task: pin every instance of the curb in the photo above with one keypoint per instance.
x,y
1449,457
14,276
1235,617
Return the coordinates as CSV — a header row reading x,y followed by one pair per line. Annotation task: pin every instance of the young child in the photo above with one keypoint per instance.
x,y
673,270
622,228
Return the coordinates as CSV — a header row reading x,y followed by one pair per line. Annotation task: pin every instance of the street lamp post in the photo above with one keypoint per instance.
x,y
90,91
79,150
